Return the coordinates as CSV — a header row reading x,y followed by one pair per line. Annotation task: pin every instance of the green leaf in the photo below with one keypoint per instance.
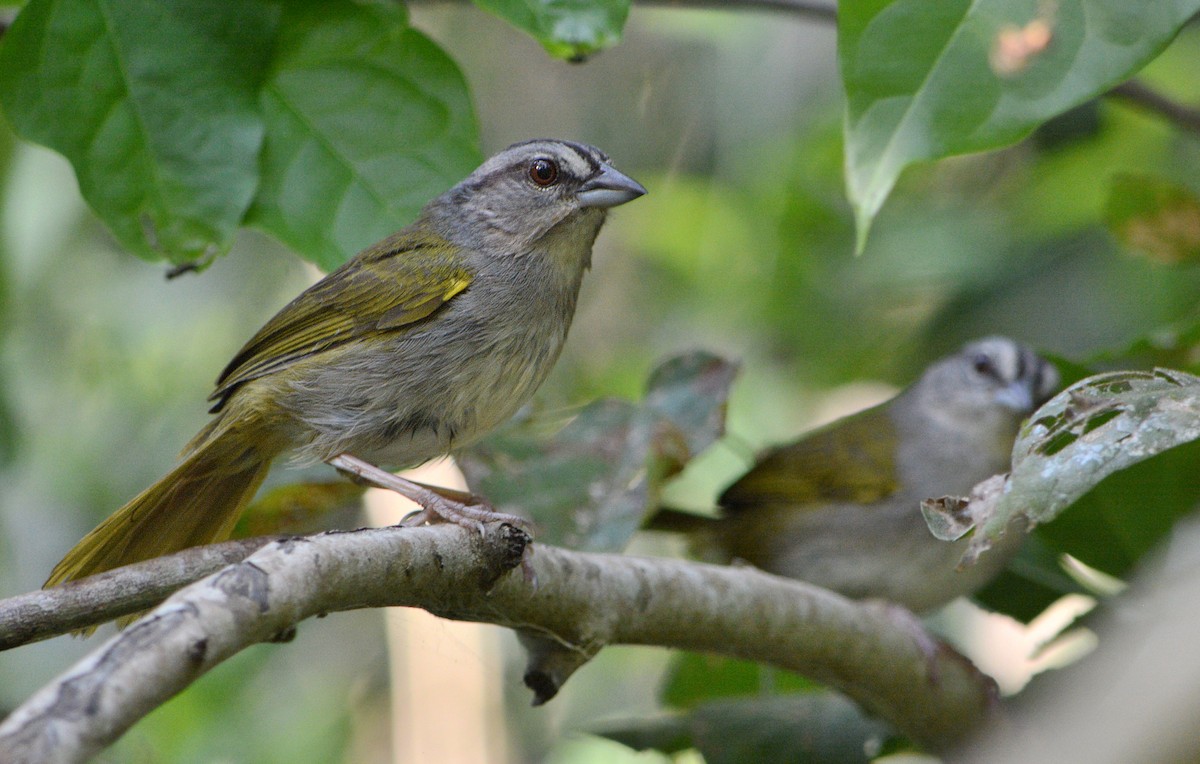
x,y
1154,216
154,103
367,120
571,29
696,678
591,484
1032,581
1094,428
927,79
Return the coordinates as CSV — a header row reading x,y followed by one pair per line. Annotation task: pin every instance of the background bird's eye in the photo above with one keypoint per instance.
x,y
983,365
543,171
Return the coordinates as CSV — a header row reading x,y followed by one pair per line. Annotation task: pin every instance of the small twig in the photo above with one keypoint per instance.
x,y
1143,96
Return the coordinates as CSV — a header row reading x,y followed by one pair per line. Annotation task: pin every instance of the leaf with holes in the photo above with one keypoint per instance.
x,y
367,120
927,79
1092,429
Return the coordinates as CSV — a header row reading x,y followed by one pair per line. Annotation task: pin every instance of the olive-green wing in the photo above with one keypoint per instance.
x,y
852,460
386,288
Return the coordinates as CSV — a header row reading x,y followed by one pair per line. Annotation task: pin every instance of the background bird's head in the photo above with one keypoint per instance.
x,y
989,381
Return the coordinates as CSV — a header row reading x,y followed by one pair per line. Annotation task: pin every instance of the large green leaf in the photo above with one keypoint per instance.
x,y
572,29
366,119
926,79
154,104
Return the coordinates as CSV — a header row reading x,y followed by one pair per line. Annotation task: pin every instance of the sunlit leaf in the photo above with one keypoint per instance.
x,y
154,103
571,29
590,485
1155,217
926,79
367,120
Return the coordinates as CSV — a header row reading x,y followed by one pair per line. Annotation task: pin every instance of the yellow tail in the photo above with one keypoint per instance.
x,y
196,503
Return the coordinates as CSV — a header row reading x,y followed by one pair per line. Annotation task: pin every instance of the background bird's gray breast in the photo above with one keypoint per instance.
x,y
450,378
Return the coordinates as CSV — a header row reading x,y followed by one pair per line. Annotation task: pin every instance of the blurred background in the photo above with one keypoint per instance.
x,y
744,246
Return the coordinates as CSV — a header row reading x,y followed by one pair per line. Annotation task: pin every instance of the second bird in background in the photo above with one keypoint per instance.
x,y
840,508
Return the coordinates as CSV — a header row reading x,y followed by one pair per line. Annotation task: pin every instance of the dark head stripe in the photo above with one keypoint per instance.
x,y
591,156
587,153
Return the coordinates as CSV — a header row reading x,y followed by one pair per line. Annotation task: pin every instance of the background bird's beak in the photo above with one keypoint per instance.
x,y
1016,396
608,188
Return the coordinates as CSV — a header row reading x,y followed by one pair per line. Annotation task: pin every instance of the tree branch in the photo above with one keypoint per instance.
x,y
101,598
877,655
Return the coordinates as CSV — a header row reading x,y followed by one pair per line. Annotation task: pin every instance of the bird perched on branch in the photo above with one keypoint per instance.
x,y
840,507
419,344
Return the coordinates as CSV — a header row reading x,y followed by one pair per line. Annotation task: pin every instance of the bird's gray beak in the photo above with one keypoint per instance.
x,y
608,188
1016,396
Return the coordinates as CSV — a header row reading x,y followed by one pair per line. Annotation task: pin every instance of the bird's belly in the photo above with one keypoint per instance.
x,y
419,399
885,552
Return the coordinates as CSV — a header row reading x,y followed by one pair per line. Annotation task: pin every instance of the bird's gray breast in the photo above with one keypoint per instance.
x,y
403,399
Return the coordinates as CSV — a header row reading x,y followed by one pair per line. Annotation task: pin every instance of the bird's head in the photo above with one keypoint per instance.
x,y
532,192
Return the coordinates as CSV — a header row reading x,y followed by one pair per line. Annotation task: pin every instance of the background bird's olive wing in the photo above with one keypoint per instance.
x,y
850,461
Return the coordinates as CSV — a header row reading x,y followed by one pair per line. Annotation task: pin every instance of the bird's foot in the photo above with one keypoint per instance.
x,y
437,504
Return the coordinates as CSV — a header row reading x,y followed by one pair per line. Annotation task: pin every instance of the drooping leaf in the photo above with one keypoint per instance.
x,y
590,485
571,29
808,727
1154,217
927,79
1094,428
154,103
366,119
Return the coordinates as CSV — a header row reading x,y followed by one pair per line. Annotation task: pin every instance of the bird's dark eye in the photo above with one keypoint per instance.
x,y
984,366
543,171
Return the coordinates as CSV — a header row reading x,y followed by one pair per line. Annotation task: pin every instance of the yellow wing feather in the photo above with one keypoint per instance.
x,y
388,287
